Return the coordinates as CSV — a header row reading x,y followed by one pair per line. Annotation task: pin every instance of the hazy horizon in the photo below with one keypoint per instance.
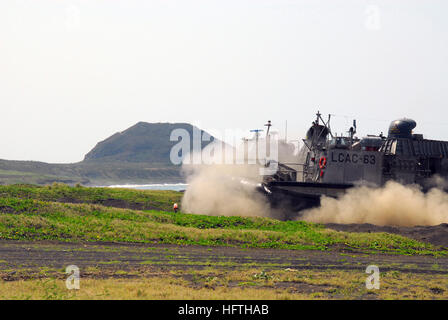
x,y
74,72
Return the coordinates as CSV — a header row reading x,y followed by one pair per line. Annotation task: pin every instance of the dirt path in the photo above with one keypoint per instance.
x,y
437,235
19,259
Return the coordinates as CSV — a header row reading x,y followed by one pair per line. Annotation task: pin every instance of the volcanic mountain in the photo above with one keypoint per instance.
x,y
144,142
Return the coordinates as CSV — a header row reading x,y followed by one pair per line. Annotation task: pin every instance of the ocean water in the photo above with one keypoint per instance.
x,y
153,186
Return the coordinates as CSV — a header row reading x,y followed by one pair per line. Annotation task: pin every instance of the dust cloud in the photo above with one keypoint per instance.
x,y
392,205
224,190
229,189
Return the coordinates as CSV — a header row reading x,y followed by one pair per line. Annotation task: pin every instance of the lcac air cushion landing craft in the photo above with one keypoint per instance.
x,y
329,164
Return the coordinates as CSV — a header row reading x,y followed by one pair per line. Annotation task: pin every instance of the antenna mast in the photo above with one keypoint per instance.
x,y
257,134
269,127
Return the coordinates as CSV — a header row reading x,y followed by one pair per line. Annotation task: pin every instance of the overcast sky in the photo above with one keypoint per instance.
x,y
74,72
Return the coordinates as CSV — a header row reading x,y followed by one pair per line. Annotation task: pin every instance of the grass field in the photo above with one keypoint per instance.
x,y
36,213
242,284
130,245
58,192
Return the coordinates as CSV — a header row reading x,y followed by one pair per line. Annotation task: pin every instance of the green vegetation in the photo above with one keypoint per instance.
x,y
37,213
115,197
